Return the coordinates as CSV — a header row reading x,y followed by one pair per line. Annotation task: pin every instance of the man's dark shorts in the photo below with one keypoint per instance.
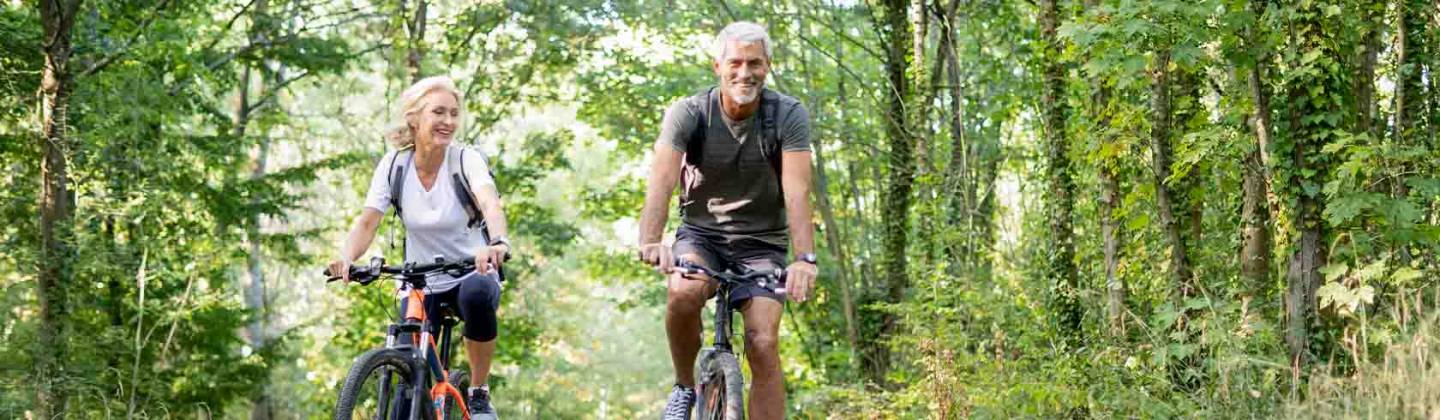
x,y
721,250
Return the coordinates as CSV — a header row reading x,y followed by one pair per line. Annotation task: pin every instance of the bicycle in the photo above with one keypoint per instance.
x,y
719,385
400,370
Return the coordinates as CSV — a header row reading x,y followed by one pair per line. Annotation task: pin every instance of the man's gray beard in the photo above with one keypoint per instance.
x,y
745,99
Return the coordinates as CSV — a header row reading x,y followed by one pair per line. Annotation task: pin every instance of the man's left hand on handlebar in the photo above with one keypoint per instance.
x,y
800,280
658,255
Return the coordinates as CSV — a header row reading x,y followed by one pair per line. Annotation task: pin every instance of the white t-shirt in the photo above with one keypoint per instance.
x,y
435,221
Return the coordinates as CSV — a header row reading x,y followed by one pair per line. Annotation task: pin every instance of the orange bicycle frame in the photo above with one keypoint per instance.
x,y
415,311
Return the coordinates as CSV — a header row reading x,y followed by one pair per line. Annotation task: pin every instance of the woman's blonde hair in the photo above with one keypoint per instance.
x,y
400,133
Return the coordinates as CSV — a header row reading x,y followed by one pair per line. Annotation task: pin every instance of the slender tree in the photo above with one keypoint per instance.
x,y
1313,116
415,40
56,208
1256,231
895,199
261,27
1060,270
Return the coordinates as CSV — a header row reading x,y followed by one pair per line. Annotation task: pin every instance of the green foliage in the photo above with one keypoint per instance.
x,y
566,97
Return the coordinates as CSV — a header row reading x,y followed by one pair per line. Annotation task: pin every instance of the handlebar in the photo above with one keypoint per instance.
x,y
765,278
410,272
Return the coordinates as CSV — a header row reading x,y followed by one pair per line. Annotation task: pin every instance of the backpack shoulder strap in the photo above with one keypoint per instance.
x,y
461,184
399,167
703,102
461,180
769,128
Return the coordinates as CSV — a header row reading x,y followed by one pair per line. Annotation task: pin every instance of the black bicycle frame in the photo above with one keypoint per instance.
x,y
723,317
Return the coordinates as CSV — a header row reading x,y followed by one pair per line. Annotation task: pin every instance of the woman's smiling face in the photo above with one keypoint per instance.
x,y
437,120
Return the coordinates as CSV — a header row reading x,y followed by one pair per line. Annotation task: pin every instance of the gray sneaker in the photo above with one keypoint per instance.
x,y
682,400
479,404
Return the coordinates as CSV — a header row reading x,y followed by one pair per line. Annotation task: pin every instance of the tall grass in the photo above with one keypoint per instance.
x,y
1403,383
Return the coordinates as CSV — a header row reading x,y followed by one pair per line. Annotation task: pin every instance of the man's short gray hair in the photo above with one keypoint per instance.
x,y
745,32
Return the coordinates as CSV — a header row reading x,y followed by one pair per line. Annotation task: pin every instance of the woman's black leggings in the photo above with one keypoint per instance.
x,y
476,299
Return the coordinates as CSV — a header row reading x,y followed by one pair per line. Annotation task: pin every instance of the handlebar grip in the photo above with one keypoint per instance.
x,y
331,277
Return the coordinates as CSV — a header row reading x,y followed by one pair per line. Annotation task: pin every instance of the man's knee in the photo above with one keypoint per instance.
x,y
762,348
685,295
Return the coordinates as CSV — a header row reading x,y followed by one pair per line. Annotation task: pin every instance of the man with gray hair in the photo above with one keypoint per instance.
x,y
741,155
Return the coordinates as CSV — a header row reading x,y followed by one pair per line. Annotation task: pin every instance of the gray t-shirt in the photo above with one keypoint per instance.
x,y
735,190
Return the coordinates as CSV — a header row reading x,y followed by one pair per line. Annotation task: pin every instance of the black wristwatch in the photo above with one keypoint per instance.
x,y
808,257
500,240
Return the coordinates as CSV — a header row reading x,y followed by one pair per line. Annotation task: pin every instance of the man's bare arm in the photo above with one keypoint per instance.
x,y
664,176
795,178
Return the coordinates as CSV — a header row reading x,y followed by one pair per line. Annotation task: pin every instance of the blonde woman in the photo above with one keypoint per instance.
x,y
437,222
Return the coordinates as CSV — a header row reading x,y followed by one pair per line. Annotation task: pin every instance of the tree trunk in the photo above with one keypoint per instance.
x,y
1060,270
1255,226
415,55
985,159
895,199
958,182
1166,199
1410,86
987,164
1310,101
1409,90
56,210
837,246
833,230
1109,201
260,28
1256,231
1365,73
1109,227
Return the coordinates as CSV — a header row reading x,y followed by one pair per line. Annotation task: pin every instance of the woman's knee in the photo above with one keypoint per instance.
x,y
479,299
480,292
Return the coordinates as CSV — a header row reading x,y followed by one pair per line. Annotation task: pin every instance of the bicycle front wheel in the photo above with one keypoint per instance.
x,y
379,386
720,388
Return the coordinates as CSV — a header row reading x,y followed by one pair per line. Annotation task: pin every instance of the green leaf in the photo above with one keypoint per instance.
x,y
1333,294
1196,303
1365,294
1334,271
1405,275
1372,270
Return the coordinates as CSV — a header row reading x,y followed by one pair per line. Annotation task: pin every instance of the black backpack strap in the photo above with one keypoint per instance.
x,y
461,184
397,177
397,190
461,180
769,129
703,101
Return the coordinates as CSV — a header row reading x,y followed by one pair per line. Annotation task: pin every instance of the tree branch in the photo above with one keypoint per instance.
x,y
270,42
110,58
225,30
270,94
726,7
